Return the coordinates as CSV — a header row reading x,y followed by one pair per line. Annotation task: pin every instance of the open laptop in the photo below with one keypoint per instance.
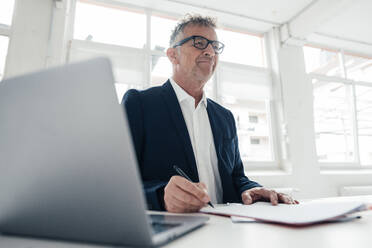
x,y
67,165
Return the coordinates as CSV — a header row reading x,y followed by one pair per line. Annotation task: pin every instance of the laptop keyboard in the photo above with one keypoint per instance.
x,y
159,224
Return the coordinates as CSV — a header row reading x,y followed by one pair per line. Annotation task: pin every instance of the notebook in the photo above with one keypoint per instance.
x,y
302,214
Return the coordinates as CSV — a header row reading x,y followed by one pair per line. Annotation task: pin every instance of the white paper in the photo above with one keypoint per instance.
x,y
300,214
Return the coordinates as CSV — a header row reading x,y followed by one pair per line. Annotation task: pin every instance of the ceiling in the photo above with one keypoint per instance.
x,y
276,11
334,23
354,23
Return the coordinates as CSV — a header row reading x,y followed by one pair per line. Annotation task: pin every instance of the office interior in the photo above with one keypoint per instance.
x,y
297,75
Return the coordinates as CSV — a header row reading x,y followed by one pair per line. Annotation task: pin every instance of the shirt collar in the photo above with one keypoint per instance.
x,y
182,95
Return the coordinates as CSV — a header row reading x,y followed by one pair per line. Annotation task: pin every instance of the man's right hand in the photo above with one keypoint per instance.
x,y
183,196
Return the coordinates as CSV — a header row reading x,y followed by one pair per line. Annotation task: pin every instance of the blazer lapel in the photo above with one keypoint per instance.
x,y
175,110
218,135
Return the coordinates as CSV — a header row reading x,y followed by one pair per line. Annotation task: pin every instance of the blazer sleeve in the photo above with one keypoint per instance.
x,y
241,181
154,189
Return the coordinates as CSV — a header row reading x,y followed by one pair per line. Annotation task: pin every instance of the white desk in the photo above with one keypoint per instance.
x,y
221,232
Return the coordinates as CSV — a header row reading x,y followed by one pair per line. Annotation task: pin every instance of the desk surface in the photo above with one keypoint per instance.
x,y
221,232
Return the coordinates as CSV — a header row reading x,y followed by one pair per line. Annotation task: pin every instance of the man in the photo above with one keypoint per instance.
x,y
175,124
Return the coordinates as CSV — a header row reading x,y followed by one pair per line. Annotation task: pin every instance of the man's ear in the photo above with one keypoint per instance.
x,y
172,55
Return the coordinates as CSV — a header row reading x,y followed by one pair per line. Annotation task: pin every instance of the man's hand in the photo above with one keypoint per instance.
x,y
182,196
261,194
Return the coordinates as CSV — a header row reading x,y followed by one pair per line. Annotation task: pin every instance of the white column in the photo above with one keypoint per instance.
x,y
29,37
298,109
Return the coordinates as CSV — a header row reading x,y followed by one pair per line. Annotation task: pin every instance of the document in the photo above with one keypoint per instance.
x,y
306,213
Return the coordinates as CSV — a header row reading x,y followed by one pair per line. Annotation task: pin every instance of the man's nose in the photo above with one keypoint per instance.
x,y
209,51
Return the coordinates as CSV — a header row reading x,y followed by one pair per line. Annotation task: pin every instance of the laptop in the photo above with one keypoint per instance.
x,y
67,164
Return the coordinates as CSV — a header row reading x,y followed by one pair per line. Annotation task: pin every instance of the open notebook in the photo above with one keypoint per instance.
x,y
299,215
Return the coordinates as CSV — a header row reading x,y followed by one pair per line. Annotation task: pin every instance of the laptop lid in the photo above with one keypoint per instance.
x,y
68,169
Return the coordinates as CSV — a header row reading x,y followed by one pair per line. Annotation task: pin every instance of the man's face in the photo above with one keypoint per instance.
x,y
193,62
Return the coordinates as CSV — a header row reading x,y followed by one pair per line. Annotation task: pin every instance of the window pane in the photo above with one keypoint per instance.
x,y
241,48
161,29
128,63
364,115
322,61
6,11
109,25
161,70
247,95
333,122
358,68
209,88
251,117
122,88
3,52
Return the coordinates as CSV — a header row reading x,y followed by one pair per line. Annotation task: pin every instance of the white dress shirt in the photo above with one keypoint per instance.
x,y
202,142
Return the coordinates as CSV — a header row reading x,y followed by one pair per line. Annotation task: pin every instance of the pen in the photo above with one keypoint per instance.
x,y
183,174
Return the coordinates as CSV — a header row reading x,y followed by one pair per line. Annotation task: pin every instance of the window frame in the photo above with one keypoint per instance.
x,y
355,164
274,164
5,30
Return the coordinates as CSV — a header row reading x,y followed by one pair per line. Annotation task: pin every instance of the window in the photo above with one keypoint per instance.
x,y
333,121
6,11
6,14
255,141
358,68
3,51
161,28
322,61
244,87
253,119
242,48
242,83
119,33
364,118
161,68
246,92
342,89
115,25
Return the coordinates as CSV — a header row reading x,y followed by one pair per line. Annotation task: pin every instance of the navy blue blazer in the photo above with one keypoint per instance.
x,y
161,140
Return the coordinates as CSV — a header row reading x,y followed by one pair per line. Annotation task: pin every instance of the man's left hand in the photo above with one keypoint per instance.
x,y
261,194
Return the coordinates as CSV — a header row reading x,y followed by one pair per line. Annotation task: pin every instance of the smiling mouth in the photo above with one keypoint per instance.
x,y
206,61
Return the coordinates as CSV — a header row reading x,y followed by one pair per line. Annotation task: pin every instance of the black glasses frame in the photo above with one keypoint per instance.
x,y
217,45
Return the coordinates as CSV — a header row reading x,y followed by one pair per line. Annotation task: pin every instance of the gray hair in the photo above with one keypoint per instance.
x,y
189,19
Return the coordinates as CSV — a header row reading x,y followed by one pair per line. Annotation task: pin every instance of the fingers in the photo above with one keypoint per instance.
x,y
283,198
181,195
246,198
186,197
266,195
177,206
202,186
273,197
256,194
198,190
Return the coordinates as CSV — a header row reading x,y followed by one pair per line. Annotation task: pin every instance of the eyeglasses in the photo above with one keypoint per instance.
x,y
202,43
